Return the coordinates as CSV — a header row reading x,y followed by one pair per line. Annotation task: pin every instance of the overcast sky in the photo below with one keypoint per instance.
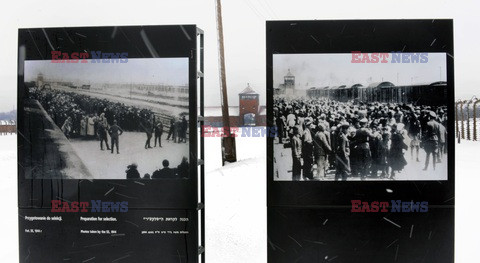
x,y
244,31
170,71
321,70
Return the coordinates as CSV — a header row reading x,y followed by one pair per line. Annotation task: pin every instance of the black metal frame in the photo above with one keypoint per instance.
x,y
183,196
295,37
295,208
201,162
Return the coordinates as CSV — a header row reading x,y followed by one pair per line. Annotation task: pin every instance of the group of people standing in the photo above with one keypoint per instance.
x,y
97,128
181,171
357,139
77,116
154,127
82,112
178,130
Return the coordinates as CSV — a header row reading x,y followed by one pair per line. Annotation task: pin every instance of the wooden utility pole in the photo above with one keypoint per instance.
x,y
228,142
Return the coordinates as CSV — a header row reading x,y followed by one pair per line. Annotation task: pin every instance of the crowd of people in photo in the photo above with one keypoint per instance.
x,y
355,139
181,171
86,117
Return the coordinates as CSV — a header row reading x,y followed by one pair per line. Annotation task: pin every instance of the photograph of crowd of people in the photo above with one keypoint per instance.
x,y
123,121
342,121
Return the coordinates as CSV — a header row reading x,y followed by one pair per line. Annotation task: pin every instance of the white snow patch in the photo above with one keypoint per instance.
x,y
467,200
8,196
236,206
105,165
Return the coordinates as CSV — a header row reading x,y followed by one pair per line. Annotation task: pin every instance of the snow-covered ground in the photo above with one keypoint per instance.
x,y
105,165
236,202
467,200
8,193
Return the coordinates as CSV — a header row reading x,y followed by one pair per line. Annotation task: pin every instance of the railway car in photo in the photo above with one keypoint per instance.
x,y
357,92
432,94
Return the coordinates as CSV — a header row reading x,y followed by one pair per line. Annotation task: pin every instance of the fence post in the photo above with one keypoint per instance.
x,y
468,116
463,119
468,120
475,119
457,130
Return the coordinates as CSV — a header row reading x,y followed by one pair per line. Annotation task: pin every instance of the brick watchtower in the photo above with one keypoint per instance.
x,y
248,107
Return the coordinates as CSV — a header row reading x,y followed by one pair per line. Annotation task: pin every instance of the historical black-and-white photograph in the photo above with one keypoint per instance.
x,y
97,120
360,116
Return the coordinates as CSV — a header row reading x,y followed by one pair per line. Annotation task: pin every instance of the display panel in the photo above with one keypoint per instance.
x,y
106,152
352,101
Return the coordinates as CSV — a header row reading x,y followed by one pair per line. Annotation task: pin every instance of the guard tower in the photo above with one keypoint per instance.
x,y
40,80
289,82
248,106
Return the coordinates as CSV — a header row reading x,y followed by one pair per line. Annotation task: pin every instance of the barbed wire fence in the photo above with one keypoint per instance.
x,y
466,119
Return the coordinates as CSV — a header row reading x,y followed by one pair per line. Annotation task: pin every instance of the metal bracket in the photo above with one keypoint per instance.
x,y
200,118
201,250
200,162
200,206
199,74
